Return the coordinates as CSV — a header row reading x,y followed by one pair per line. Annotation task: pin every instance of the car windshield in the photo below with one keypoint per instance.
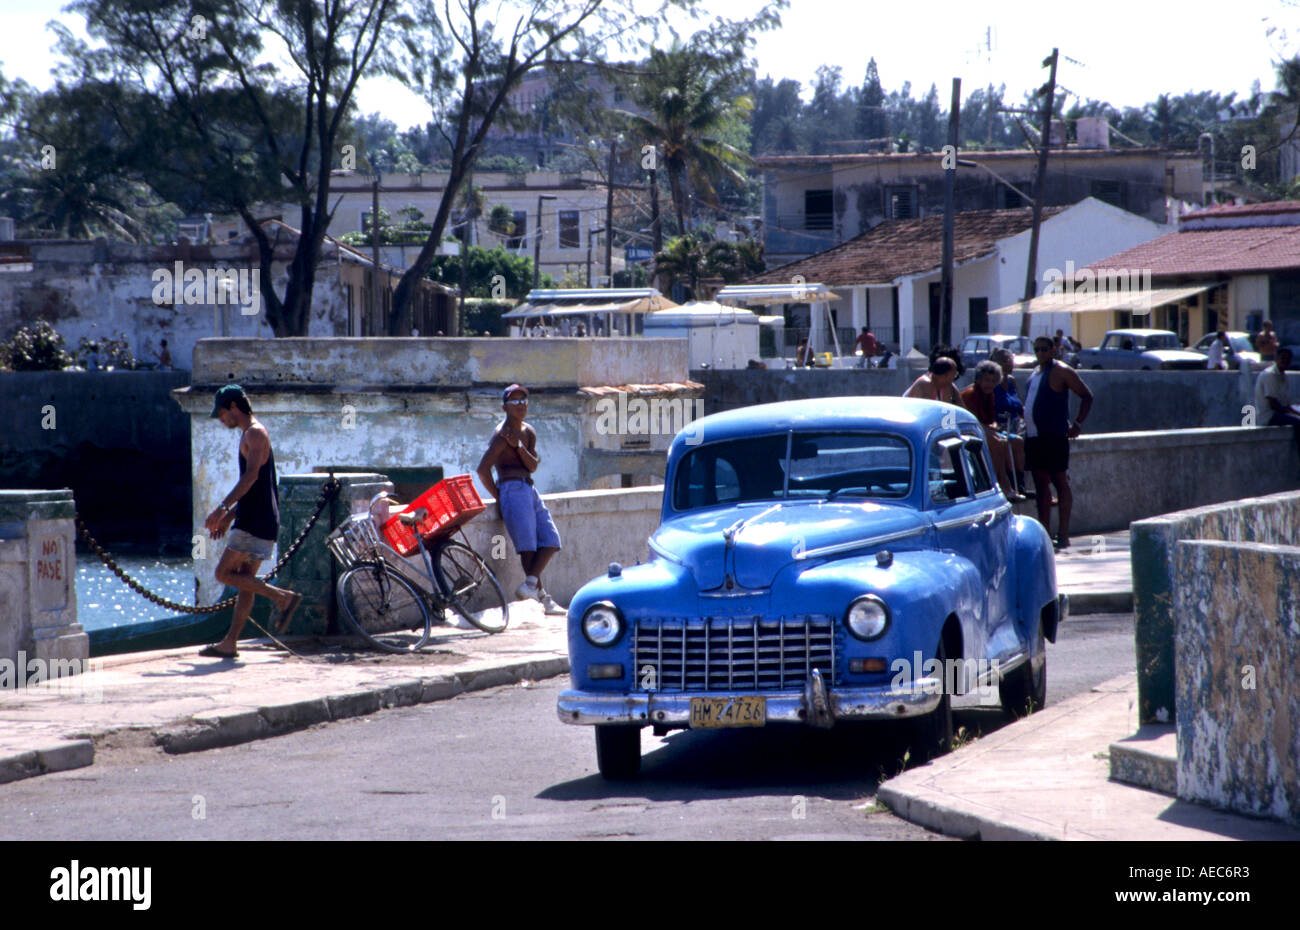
x,y
820,465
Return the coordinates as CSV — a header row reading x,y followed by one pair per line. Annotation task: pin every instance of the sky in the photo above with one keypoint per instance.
x,y
1120,51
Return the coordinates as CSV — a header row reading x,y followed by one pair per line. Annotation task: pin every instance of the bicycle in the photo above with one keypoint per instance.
x,y
388,603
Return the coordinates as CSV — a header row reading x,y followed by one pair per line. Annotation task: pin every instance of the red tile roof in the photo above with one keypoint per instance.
x,y
1246,209
1239,250
905,247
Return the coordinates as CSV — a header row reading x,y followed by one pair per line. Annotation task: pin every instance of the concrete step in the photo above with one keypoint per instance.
x,y
1148,759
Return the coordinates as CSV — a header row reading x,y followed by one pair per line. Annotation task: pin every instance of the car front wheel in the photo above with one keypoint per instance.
x,y
1024,691
932,734
618,751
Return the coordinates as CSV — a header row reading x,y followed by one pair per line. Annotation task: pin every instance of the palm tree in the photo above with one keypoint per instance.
x,y
686,95
682,257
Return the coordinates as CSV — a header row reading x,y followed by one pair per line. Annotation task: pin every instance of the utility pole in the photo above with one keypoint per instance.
x,y
1040,186
537,240
949,183
374,256
609,219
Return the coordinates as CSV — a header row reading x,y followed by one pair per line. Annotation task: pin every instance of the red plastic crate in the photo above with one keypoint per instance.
x,y
451,502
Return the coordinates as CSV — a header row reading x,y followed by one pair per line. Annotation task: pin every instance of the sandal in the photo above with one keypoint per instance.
x,y
212,652
286,615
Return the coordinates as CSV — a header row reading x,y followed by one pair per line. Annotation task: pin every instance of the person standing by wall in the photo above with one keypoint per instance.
x,y
1273,397
253,507
867,345
513,452
978,398
936,384
1011,414
1048,431
1266,344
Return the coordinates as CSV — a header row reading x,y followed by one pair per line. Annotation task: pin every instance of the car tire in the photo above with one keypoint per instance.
x,y
618,751
1023,692
932,734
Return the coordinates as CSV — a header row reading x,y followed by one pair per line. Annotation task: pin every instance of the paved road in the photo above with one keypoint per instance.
x,y
497,764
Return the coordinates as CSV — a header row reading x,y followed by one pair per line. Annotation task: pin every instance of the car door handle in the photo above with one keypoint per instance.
x,y
986,518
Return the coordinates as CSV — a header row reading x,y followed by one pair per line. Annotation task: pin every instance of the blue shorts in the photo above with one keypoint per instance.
x,y
527,520
245,542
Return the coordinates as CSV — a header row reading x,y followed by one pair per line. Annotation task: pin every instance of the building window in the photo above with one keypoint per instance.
x,y
520,234
900,203
570,235
979,315
1114,193
1009,199
818,210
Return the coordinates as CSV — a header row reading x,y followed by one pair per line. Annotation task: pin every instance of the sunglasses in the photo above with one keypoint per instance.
x,y
521,400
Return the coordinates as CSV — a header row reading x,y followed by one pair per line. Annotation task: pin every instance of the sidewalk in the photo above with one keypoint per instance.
x,y
185,703
1047,777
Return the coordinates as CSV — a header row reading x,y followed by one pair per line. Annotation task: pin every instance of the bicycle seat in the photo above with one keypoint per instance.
x,y
411,519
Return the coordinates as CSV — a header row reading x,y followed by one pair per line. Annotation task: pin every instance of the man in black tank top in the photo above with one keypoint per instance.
x,y
253,507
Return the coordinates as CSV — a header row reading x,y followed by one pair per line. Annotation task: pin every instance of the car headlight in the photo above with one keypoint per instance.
x,y
602,624
867,617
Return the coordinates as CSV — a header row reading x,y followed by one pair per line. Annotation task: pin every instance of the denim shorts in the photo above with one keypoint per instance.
x,y
527,520
245,542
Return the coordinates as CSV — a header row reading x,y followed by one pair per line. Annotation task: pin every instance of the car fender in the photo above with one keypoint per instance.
x,y
921,588
1035,577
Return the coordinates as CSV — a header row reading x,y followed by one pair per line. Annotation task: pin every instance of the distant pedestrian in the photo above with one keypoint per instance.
x,y
1011,415
803,355
1048,431
1273,397
1214,357
513,452
92,357
253,507
164,356
867,345
1266,342
936,384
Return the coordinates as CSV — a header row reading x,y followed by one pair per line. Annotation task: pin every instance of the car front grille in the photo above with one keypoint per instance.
x,y
732,654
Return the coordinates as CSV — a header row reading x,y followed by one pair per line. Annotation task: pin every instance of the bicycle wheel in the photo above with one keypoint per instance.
x,y
384,608
470,588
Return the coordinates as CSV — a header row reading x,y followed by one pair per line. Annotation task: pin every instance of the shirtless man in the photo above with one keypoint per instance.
x,y
513,452
936,384
254,509
1048,431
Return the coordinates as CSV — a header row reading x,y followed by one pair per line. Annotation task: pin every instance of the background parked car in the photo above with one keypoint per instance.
x,y
977,347
1145,349
1240,348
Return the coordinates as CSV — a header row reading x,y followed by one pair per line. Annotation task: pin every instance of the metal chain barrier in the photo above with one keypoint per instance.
x,y
329,490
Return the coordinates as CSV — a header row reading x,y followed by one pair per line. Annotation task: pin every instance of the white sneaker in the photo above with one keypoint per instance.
x,y
527,591
551,605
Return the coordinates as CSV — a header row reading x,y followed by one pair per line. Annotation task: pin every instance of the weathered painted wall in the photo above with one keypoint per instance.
x,y
1124,401
419,402
1237,649
1274,519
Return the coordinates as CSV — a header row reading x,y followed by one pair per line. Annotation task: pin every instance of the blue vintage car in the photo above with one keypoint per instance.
x,y
837,559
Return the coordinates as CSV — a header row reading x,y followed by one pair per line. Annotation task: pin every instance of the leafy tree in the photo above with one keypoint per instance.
x,y
210,121
734,261
683,259
482,268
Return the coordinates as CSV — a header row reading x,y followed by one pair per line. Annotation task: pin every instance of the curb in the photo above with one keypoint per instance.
x,y
58,757
1101,602
957,824
240,725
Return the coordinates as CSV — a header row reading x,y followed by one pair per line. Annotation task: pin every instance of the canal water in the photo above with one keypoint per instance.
x,y
104,600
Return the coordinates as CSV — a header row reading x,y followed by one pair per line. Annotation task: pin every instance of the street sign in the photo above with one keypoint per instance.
x,y
637,253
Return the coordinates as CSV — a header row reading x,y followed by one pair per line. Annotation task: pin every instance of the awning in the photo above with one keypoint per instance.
x,y
764,295
580,302
1103,301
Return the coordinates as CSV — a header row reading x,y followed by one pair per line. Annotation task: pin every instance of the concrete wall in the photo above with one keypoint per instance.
x,y
1270,520
419,402
1124,401
1237,648
115,438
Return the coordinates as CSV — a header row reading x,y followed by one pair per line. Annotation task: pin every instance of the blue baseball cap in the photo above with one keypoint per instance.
x,y
505,395
225,397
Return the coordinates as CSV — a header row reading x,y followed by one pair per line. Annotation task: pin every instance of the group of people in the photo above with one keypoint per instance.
x,y
1044,448
250,514
870,352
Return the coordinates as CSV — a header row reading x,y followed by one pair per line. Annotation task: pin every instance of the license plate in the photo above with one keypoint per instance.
x,y
709,713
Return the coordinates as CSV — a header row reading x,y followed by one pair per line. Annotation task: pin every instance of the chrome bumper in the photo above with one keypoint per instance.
x,y
674,710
